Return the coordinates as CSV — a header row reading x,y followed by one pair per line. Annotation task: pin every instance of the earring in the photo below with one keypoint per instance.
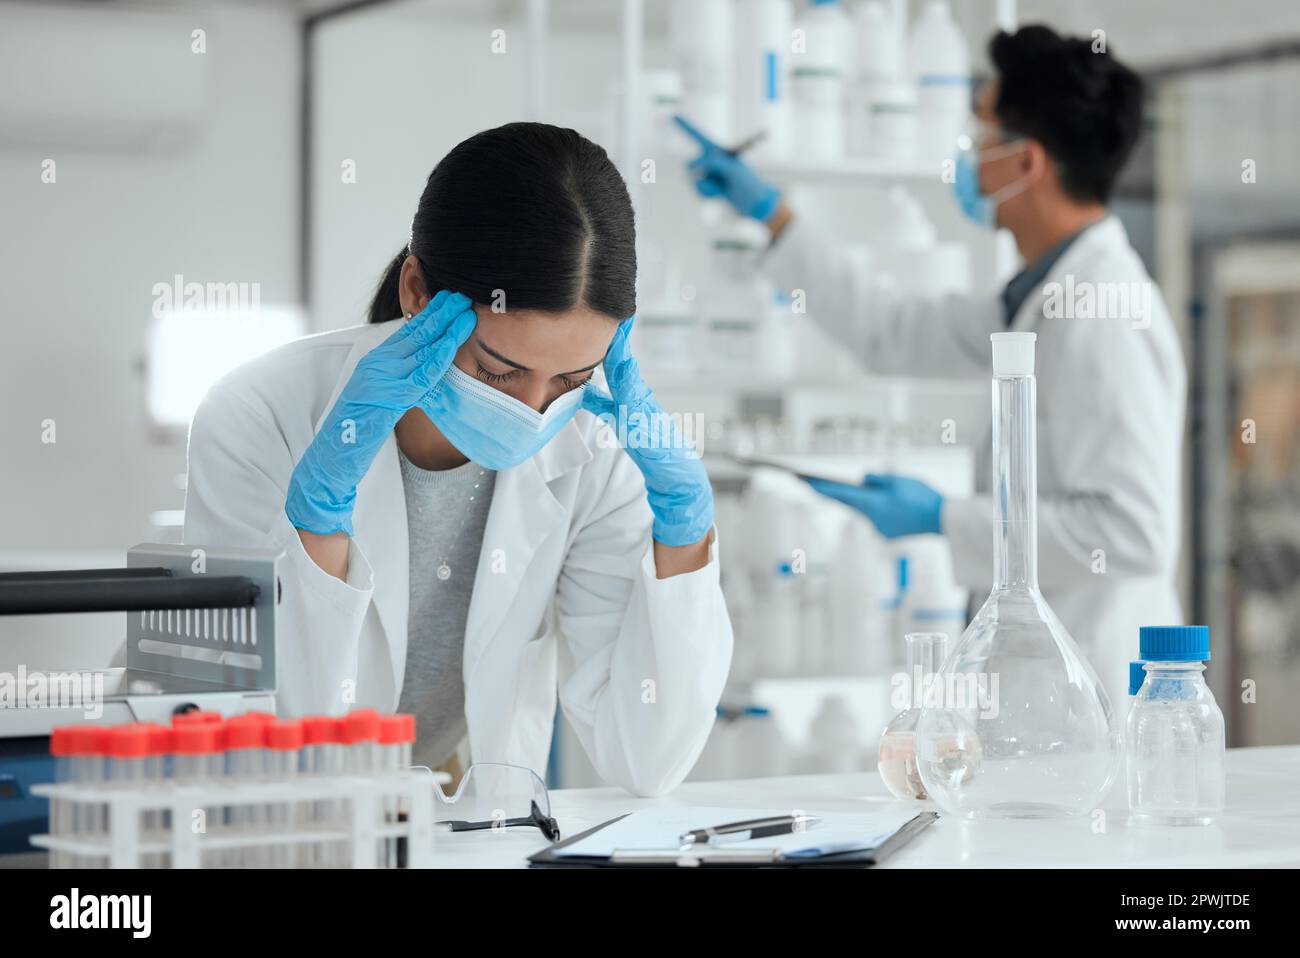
x,y
408,315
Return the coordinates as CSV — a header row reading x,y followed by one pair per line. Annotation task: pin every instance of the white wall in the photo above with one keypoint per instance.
x,y
396,89
79,258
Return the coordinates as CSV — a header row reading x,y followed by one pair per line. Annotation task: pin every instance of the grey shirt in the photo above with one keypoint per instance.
x,y
446,512
1032,276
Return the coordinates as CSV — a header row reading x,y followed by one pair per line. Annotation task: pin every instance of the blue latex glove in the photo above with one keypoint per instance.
x,y
896,505
677,486
719,172
388,381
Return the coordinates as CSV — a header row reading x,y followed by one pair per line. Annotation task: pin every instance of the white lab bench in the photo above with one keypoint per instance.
x,y
1260,828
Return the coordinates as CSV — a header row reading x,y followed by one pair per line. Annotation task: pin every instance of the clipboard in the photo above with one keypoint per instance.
x,y
750,462
741,858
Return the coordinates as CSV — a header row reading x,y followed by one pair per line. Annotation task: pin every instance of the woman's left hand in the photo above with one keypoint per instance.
x,y
677,485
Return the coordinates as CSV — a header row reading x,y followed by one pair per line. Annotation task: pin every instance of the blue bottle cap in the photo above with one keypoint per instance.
x,y
1174,643
1136,676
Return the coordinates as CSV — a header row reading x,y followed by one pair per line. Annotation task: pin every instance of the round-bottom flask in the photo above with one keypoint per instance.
x,y
896,760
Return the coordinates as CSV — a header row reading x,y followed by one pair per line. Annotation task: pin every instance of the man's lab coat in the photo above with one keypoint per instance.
x,y
1111,395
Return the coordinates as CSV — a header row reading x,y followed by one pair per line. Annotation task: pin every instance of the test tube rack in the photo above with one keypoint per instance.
x,y
353,836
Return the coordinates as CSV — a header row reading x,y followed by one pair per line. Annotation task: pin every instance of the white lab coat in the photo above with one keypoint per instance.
x,y
565,594
1110,427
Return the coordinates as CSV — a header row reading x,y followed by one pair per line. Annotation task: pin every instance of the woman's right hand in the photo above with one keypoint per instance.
x,y
387,382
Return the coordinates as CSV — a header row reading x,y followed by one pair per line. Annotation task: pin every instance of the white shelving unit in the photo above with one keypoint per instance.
x,y
851,171
833,183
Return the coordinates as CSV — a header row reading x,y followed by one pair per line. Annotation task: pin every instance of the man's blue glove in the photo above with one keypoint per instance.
x,y
896,505
389,380
719,172
676,483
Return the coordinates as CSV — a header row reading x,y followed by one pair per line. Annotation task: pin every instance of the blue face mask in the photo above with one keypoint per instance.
x,y
978,208
492,429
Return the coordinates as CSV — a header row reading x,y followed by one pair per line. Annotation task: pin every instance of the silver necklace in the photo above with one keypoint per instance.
x,y
443,571
444,567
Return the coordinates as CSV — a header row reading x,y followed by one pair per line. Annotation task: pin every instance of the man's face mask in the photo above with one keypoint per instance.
x,y
492,429
978,208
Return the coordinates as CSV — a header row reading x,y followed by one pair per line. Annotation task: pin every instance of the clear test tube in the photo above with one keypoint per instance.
x,y
91,818
283,765
322,746
322,756
129,766
361,737
60,810
198,761
360,729
396,737
245,765
157,821
78,760
160,748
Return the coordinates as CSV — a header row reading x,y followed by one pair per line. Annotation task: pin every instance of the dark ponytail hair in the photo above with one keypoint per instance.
x,y
536,211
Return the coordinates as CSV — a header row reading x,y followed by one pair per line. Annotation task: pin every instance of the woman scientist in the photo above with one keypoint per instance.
x,y
464,536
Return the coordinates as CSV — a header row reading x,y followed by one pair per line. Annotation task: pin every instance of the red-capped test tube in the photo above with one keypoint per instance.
x,y
283,762
322,755
157,821
396,737
129,763
361,738
131,767
396,740
245,764
322,742
78,752
198,761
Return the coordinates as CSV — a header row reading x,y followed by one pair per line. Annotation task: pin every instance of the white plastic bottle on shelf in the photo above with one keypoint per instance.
x,y
819,68
931,601
859,588
825,27
815,648
761,76
940,64
747,332
661,99
913,254
835,741
700,39
877,69
894,122
777,623
775,524
761,749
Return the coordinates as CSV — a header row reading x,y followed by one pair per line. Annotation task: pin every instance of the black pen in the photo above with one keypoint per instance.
x,y
743,831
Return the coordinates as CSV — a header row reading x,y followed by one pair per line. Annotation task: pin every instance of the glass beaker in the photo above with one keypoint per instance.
x,y
896,760
1016,724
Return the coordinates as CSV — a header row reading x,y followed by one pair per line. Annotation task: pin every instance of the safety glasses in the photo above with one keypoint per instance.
x,y
492,796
